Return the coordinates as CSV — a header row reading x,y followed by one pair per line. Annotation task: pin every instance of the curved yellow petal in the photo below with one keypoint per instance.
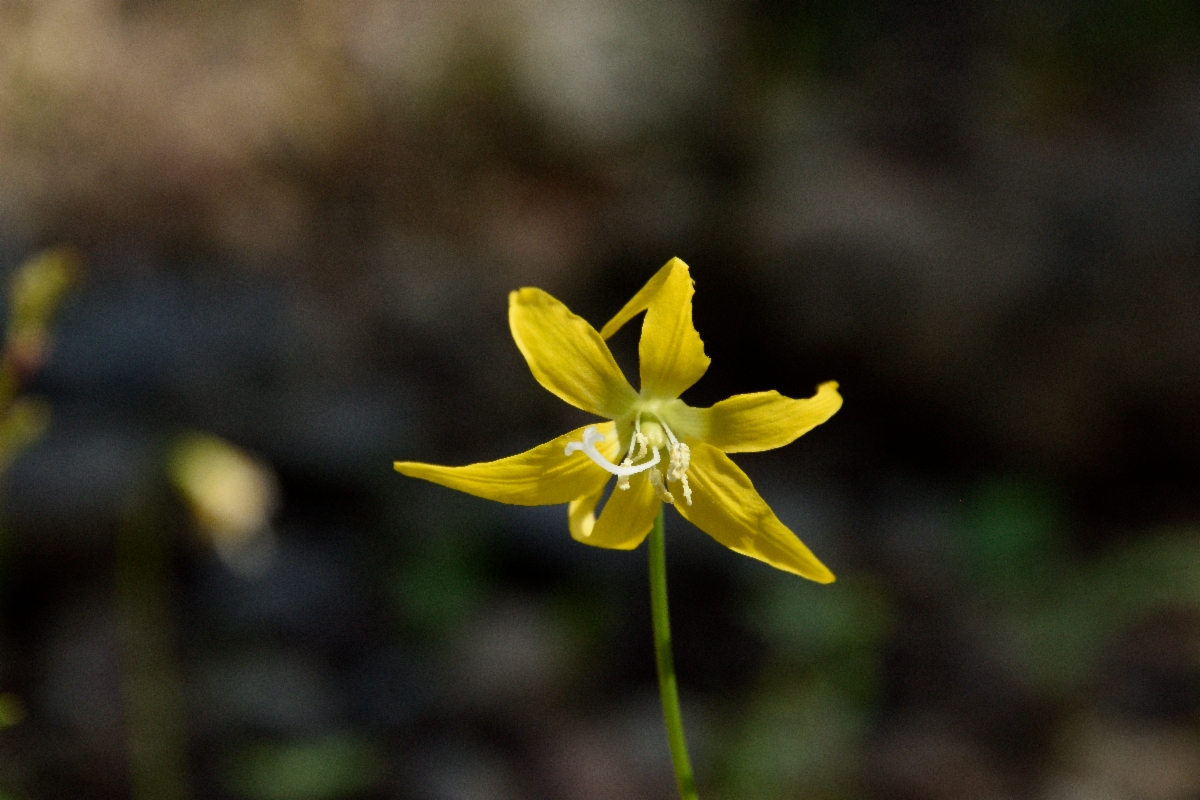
x,y
581,514
627,516
747,423
566,355
671,351
726,506
641,301
542,476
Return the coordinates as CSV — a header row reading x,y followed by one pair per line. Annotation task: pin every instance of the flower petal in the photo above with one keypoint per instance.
x,y
671,351
726,506
539,477
566,355
641,301
747,423
581,514
627,517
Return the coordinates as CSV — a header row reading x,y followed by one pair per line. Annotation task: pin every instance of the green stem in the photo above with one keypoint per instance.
x,y
155,735
666,662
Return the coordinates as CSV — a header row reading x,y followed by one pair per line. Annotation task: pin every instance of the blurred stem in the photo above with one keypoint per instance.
x,y
9,383
666,662
149,674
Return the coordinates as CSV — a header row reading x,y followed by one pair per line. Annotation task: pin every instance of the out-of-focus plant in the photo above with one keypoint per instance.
x,y
232,496
35,293
321,769
806,731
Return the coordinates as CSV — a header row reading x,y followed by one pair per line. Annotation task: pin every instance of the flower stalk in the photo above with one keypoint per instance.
x,y
667,685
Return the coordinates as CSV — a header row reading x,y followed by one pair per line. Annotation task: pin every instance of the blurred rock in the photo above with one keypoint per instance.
x,y
456,772
1129,760
260,690
581,762
513,657
927,758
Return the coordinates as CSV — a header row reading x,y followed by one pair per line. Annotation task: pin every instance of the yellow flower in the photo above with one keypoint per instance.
x,y
659,448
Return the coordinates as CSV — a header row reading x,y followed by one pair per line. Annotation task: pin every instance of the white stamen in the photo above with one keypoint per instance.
x,y
588,446
643,443
669,432
623,480
680,459
657,482
638,440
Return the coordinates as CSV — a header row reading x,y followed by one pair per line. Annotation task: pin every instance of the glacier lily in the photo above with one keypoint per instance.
x,y
660,449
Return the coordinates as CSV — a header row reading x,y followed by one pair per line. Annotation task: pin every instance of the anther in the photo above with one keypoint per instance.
x,y
643,442
623,480
681,459
659,488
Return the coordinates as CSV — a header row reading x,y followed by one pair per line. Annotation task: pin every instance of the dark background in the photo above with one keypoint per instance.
x,y
300,222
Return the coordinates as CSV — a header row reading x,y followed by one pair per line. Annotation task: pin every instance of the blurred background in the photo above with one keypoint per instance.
x,y
291,227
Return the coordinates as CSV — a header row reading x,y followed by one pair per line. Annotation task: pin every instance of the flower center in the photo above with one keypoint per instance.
x,y
647,440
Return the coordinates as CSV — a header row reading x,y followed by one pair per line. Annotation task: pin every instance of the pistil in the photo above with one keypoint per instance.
x,y
641,444
591,435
